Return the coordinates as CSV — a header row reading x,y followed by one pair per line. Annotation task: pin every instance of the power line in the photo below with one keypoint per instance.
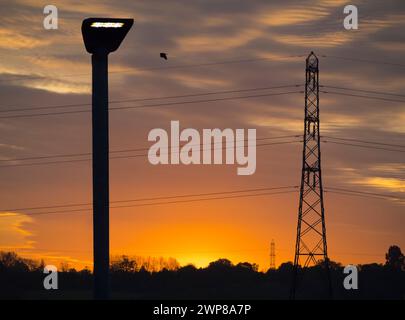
x,y
363,196
128,156
364,60
152,105
145,149
184,103
365,141
362,146
363,192
365,91
133,150
215,63
328,189
183,66
363,96
189,195
68,155
29,108
158,203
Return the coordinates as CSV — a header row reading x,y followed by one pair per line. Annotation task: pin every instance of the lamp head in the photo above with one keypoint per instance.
x,y
104,35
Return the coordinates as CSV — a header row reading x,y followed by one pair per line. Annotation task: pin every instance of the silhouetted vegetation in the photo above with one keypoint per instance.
x,y
136,263
158,278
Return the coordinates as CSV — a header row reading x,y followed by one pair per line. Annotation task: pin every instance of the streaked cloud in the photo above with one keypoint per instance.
x,y
389,184
13,231
293,16
321,40
215,42
11,39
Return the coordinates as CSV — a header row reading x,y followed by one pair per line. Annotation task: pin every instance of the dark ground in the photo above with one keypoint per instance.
x,y
220,280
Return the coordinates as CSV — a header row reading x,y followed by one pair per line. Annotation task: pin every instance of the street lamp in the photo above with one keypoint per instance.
x,y
101,36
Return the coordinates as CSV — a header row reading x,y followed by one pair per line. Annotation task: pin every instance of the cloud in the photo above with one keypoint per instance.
x,y
58,86
321,40
14,233
375,177
392,168
396,123
388,184
11,146
11,39
200,82
293,16
217,42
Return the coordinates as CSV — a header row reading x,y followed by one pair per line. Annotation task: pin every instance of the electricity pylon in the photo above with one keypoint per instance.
x,y
272,255
311,247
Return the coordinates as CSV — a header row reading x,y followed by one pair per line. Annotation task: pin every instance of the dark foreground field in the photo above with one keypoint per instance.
x,y
220,280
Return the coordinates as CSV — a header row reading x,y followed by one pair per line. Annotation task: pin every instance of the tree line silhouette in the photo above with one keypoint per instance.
x,y
159,278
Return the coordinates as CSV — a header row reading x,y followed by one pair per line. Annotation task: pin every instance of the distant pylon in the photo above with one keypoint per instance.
x,y
272,255
310,247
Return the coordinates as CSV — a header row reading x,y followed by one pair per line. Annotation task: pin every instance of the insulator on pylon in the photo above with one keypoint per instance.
x,y
313,131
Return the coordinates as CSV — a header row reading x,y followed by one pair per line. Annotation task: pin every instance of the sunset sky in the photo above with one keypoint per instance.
x,y
262,44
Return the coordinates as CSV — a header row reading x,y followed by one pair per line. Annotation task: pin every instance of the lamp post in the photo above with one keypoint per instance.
x,y
101,36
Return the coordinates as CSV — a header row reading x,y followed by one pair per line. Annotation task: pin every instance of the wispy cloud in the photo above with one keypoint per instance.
x,y
14,232
388,184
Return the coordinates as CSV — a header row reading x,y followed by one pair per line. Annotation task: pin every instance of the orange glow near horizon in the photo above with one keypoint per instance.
x,y
197,238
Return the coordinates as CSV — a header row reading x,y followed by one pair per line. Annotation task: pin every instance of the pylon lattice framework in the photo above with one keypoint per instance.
x,y
311,246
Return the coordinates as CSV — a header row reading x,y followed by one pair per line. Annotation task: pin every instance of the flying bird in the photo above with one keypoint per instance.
x,y
163,55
